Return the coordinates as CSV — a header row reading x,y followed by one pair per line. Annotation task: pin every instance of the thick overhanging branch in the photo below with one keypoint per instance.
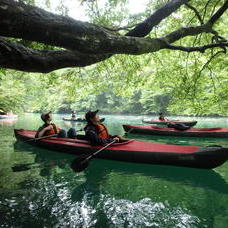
x,y
86,43
145,27
31,23
27,22
201,49
187,31
16,56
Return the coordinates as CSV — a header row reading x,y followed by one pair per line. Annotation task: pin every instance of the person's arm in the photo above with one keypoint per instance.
x,y
41,131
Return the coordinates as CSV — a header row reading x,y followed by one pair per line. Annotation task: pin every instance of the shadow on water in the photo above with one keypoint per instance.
x,y
99,170
44,159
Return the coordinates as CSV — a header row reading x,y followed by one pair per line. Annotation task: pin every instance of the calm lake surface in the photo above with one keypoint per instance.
x,y
39,189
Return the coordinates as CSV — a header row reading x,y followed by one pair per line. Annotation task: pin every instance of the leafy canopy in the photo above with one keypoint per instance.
x,y
170,81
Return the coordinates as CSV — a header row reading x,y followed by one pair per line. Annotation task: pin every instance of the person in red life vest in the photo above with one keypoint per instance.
x,y
49,128
96,132
162,117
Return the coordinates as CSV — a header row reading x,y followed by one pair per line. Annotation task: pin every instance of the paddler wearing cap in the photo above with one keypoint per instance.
x,y
96,132
49,128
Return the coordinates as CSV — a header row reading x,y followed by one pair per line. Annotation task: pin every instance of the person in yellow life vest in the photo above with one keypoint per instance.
x,y
49,128
96,132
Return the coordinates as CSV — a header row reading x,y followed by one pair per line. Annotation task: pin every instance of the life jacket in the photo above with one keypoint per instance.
x,y
102,131
53,131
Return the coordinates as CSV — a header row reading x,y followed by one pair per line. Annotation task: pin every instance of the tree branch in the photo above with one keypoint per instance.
x,y
31,23
119,28
196,12
16,56
201,49
145,27
187,31
219,13
87,43
193,31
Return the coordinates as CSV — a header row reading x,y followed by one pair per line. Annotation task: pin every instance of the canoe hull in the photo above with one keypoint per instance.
x,y
151,153
203,132
187,123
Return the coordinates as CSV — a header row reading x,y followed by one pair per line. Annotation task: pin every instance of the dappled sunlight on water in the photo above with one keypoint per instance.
x,y
49,204
145,213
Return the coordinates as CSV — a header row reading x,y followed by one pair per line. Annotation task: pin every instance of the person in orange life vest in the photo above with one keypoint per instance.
x,y
162,117
96,132
49,128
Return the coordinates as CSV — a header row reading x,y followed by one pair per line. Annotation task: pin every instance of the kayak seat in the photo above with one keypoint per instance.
x,y
156,127
82,141
82,137
178,126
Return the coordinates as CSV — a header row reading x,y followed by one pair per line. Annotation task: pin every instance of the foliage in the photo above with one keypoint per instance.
x,y
168,81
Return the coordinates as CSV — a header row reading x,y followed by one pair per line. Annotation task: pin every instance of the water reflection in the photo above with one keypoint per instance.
x,y
208,179
43,160
7,122
38,187
118,194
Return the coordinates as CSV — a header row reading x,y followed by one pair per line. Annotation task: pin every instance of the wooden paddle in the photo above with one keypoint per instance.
x,y
82,162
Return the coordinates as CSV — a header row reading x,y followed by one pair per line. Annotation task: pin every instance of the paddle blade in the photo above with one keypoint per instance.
x,y
80,163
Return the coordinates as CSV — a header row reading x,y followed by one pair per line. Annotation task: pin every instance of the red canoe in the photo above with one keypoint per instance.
x,y
192,132
187,123
136,151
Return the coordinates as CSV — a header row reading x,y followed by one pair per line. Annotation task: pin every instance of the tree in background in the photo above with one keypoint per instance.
x,y
193,79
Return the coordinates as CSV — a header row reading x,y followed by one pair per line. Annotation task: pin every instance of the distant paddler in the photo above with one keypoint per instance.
x,y
162,117
73,115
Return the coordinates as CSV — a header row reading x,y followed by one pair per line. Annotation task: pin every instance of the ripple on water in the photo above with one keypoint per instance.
x,y
56,208
145,213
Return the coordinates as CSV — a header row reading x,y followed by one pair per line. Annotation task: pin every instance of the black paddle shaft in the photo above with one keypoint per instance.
x,y
44,137
103,148
82,162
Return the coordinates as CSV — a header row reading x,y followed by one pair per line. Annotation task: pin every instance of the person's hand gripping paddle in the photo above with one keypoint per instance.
x,y
82,162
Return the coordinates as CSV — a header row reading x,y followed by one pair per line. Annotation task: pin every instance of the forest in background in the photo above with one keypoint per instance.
x,y
169,81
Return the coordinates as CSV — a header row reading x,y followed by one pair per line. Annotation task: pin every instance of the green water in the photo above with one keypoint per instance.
x,y
38,188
